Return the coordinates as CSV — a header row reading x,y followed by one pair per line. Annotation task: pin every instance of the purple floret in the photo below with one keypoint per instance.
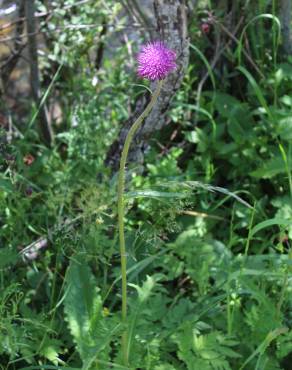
x,y
156,61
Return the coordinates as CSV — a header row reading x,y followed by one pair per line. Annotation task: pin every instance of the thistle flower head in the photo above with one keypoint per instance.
x,y
156,61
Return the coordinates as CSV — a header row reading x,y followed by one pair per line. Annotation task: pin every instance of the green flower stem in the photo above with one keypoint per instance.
x,y
121,213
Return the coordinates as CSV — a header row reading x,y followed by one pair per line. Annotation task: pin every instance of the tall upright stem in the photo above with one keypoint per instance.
x,y
121,214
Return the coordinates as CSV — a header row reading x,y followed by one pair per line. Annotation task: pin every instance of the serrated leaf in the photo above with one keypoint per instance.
x,y
51,349
83,309
145,290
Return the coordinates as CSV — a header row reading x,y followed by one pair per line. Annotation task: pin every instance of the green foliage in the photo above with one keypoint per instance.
x,y
208,228
91,331
206,352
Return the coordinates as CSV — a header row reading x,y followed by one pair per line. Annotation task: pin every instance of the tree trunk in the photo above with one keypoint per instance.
x,y
285,16
171,27
44,123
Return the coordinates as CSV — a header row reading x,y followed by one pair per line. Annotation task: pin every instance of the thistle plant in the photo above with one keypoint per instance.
x,y
155,62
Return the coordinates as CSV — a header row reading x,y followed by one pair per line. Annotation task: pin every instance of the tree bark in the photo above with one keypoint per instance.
x,y
171,27
44,122
285,16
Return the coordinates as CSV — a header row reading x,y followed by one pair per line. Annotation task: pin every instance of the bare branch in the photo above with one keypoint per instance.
x,y
234,38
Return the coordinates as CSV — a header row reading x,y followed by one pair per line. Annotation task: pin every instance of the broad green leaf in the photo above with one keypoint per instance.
x,y
286,99
284,128
225,104
271,168
83,308
286,70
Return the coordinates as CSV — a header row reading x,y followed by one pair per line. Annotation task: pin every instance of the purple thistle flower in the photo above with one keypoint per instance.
x,y
156,61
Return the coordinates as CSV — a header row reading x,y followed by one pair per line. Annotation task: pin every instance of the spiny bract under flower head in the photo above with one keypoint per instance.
x,y
156,61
